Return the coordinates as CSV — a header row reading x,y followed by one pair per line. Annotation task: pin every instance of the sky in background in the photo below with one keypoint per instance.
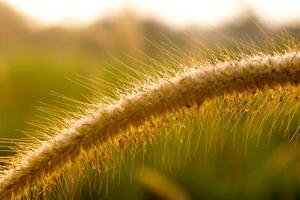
x,y
178,12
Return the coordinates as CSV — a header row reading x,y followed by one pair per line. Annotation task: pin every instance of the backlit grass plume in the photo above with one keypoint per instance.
x,y
43,163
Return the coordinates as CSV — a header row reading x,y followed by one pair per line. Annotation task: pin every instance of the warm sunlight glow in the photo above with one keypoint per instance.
x,y
177,12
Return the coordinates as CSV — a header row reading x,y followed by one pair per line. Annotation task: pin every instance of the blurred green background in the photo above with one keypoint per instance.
x,y
34,60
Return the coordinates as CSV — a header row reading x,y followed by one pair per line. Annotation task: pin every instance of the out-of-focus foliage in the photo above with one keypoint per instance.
x,y
34,60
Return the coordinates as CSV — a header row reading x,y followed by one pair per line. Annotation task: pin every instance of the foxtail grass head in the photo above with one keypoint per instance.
x,y
116,122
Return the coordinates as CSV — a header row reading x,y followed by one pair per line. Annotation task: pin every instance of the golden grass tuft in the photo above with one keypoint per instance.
x,y
101,124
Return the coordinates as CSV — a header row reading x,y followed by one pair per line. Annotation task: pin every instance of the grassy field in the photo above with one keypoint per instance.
x,y
238,146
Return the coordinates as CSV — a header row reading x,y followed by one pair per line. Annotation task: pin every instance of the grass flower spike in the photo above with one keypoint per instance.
x,y
193,85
